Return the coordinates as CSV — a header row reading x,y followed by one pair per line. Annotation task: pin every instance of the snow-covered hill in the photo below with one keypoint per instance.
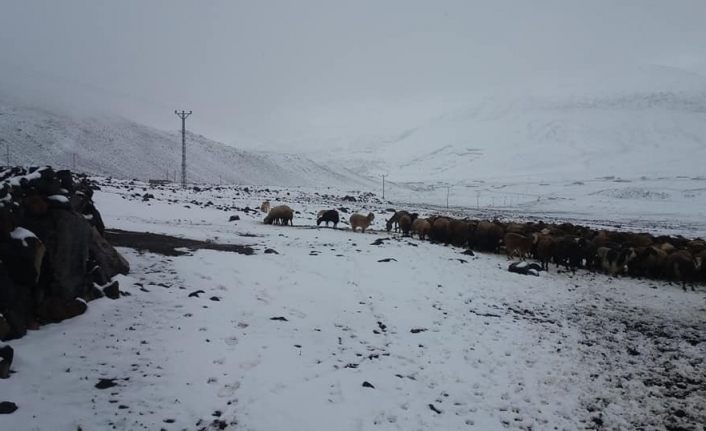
x,y
123,148
653,124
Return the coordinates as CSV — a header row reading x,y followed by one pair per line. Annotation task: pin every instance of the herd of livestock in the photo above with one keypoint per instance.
x,y
566,245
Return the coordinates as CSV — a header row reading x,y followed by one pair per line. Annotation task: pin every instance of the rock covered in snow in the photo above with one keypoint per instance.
x,y
53,256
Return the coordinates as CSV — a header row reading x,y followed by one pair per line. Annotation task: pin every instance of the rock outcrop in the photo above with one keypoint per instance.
x,y
53,256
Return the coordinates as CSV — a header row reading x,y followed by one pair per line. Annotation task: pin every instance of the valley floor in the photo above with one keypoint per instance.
x,y
348,331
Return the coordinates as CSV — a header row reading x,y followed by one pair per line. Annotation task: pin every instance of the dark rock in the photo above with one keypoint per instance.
x,y
112,290
368,385
433,408
379,241
469,252
417,330
105,384
5,329
388,259
7,407
196,294
349,198
280,318
234,218
270,251
6,356
524,268
215,298
109,261
68,250
54,309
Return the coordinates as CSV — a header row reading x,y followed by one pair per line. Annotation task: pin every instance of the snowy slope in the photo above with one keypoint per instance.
x,y
326,334
126,149
652,123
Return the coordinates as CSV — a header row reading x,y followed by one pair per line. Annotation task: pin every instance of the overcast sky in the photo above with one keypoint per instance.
x,y
279,71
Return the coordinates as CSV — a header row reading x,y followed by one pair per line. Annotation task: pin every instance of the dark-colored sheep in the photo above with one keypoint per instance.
x,y
517,245
405,224
328,216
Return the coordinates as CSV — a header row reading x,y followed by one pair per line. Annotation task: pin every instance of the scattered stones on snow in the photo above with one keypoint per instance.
x,y
105,384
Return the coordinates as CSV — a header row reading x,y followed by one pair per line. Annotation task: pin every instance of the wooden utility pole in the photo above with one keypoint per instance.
x,y
183,115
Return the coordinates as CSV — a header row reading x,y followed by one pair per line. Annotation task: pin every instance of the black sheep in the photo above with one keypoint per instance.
x,y
328,216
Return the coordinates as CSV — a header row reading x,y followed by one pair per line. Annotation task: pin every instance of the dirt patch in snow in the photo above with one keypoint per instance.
x,y
168,245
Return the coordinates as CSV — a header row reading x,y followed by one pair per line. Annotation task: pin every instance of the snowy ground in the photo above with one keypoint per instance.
x,y
327,334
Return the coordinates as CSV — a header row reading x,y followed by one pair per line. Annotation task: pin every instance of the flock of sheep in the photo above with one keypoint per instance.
x,y
568,245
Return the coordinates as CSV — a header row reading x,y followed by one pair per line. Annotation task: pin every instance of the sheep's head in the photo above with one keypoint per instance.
x,y
371,217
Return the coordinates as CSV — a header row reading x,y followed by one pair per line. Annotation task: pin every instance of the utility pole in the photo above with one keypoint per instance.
x,y
447,196
383,187
183,115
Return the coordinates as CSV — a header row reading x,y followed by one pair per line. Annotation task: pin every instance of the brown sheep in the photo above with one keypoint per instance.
x,y
681,267
517,245
361,221
421,227
487,236
265,207
543,249
458,232
281,214
440,230
405,224
395,220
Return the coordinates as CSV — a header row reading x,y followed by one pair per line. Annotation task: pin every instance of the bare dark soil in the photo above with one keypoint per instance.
x,y
168,245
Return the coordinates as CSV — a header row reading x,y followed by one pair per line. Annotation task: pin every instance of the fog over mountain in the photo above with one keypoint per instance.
x,y
395,80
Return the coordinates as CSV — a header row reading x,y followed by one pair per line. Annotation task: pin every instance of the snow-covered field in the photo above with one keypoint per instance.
x,y
350,331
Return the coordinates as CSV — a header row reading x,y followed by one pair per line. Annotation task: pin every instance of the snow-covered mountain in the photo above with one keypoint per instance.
x,y
654,124
123,148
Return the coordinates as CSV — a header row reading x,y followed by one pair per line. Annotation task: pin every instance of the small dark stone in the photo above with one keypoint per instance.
x,y
417,330
368,385
105,384
112,290
271,251
388,259
280,318
7,407
434,409
215,298
469,252
196,294
234,218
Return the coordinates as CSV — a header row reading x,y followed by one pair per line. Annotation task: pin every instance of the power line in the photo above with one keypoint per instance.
x,y
183,115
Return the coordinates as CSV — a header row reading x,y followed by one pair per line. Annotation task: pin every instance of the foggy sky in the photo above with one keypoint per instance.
x,y
289,72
